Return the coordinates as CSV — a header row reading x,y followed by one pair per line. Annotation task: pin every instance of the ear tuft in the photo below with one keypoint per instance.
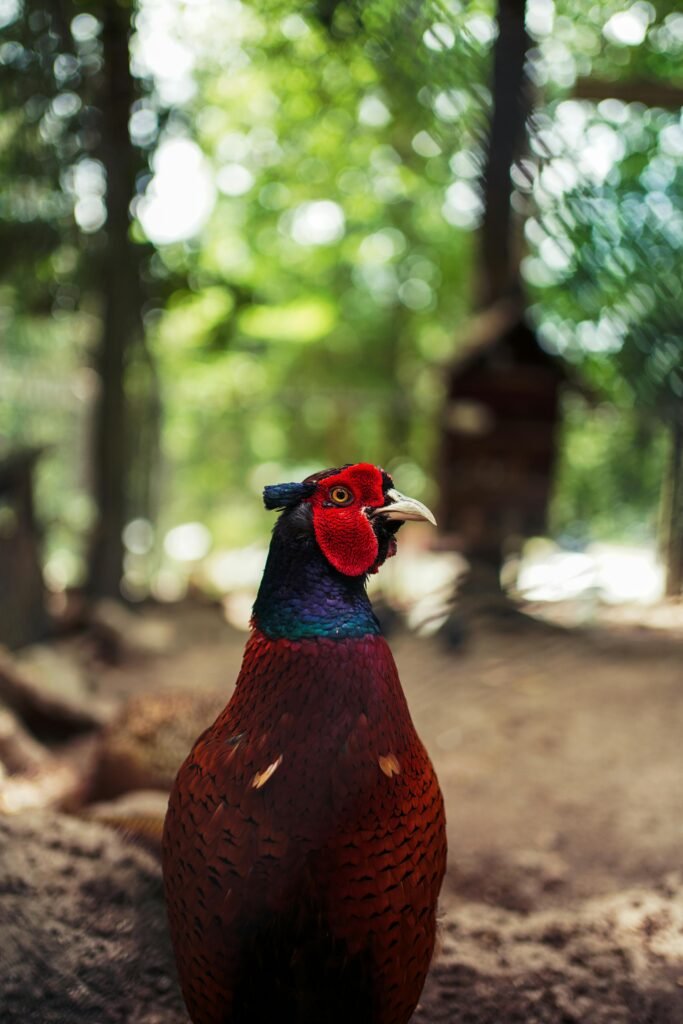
x,y
281,496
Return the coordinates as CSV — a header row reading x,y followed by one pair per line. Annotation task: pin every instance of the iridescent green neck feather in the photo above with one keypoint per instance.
x,y
302,595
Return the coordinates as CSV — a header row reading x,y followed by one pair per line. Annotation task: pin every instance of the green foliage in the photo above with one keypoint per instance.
x,y
609,475
613,41
605,255
303,320
343,277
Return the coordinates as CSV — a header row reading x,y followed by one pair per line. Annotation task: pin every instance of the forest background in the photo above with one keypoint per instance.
x,y
242,241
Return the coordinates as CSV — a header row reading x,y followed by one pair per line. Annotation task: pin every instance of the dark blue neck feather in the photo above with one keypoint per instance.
x,y
302,595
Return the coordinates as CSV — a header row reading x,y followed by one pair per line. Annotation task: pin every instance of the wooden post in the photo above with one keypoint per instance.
x,y
673,515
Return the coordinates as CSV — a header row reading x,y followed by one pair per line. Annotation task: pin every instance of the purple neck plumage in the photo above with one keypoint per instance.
x,y
302,595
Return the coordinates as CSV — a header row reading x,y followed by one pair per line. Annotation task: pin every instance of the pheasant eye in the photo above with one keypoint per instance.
x,y
341,496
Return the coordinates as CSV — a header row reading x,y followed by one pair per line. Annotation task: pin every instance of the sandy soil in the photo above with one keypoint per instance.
x,y
561,761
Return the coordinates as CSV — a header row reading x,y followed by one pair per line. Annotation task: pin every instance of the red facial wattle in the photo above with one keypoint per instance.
x,y
344,533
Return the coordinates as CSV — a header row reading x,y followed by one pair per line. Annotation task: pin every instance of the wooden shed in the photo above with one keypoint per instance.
x,y
23,618
499,436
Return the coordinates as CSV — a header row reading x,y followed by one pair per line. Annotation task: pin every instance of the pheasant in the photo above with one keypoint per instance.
x,y
304,844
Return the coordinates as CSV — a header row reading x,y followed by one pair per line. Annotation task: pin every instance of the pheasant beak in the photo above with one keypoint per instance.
x,y
404,508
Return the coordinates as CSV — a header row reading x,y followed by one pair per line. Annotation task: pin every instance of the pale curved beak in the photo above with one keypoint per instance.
x,y
404,508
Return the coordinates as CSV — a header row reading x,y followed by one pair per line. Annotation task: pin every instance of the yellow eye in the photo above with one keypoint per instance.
x,y
341,496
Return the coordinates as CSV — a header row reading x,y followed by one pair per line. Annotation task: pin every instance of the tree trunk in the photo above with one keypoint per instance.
x,y
499,253
673,513
121,304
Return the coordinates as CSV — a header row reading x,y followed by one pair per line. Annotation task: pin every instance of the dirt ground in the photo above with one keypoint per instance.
x,y
560,756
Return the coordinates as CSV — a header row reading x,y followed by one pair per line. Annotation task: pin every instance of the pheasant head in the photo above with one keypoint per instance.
x,y
335,528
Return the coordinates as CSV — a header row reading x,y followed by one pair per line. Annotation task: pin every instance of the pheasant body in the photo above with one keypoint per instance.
x,y
304,845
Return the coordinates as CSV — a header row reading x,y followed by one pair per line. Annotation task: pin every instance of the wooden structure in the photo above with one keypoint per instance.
x,y
23,617
498,437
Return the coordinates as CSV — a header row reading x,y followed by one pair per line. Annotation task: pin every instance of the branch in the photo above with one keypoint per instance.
x,y
639,90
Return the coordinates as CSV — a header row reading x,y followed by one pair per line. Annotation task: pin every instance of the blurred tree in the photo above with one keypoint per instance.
x,y
647,351
122,293
324,283
618,244
500,255
296,239
72,171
